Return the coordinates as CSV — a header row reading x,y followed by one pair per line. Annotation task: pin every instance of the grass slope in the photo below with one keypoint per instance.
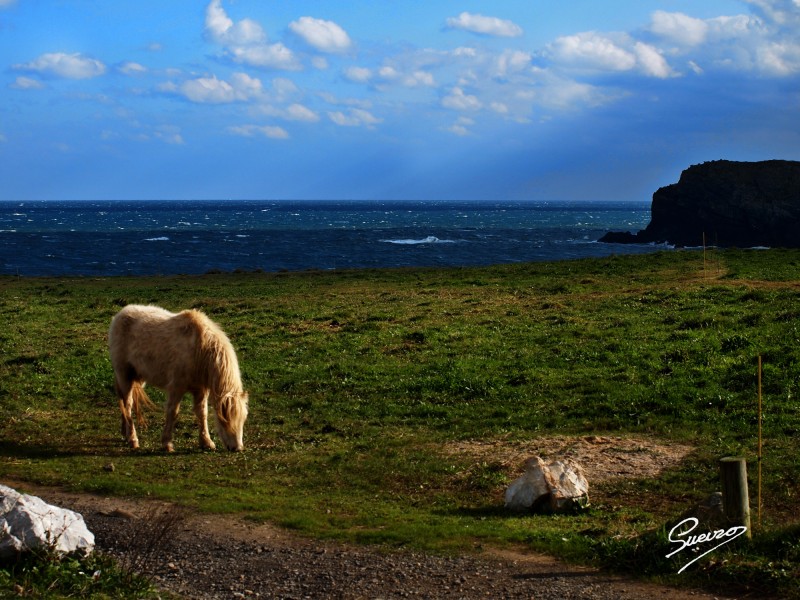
x,y
359,381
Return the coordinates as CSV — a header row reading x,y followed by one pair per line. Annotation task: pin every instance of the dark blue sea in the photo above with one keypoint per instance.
x,y
91,238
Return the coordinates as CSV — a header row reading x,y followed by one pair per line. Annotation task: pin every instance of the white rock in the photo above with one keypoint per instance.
x,y
532,485
568,486
557,486
28,522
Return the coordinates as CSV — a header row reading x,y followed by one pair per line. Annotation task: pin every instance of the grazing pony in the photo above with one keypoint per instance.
x,y
179,353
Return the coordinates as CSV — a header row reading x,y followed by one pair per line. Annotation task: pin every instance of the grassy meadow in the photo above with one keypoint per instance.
x,y
363,382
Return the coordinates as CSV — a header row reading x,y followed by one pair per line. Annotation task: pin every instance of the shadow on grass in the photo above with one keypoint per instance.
x,y
108,448
12,449
500,511
493,511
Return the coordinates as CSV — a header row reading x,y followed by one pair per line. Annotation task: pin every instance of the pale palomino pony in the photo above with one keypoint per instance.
x,y
179,353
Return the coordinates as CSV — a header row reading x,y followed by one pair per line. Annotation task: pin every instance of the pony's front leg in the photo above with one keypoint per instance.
x,y
201,412
172,410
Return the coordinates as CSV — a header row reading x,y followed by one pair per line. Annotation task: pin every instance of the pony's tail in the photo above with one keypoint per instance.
x,y
141,401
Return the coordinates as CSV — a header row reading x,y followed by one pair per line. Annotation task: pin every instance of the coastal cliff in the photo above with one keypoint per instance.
x,y
743,204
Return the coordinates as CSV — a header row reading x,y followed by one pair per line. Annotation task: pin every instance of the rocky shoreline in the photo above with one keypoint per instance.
x,y
727,204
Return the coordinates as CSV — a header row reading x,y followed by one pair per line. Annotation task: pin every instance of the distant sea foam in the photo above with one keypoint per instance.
x,y
191,237
431,239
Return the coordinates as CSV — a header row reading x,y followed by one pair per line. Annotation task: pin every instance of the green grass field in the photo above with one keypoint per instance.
x,y
362,382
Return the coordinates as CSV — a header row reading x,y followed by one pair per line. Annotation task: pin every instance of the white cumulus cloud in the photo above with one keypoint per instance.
x,y
246,42
461,127
781,12
779,58
169,135
218,23
501,108
298,112
27,83
268,131
293,112
419,79
325,36
221,28
511,61
131,68
68,66
358,74
591,50
267,56
458,100
679,28
355,117
390,75
210,90
651,62
484,25
765,42
567,94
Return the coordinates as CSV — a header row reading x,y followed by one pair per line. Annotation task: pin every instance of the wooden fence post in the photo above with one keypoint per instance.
x,y
735,498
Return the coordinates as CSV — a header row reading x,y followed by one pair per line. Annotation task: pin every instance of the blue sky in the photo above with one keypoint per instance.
x,y
392,99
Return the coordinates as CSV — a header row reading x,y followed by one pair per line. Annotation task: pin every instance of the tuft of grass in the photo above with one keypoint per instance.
x,y
43,575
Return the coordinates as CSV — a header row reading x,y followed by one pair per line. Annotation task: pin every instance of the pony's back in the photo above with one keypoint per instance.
x,y
148,338
131,327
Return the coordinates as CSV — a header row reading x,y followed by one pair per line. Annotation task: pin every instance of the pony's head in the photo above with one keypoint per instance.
x,y
231,412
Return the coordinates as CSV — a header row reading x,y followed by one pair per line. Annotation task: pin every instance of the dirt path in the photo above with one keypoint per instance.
x,y
205,557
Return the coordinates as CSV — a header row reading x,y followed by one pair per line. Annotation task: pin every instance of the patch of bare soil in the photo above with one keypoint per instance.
x,y
603,458
209,557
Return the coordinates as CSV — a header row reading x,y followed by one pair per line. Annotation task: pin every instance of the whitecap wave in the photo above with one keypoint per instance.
x,y
157,239
431,239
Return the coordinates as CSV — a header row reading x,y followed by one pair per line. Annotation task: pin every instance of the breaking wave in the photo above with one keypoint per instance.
x,y
431,239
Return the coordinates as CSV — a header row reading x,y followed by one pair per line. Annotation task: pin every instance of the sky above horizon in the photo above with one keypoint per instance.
x,y
455,100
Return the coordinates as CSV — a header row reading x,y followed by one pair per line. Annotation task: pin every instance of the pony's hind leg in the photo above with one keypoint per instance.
x,y
201,412
127,428
172,410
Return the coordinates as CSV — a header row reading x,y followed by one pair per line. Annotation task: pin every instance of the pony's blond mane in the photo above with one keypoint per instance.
x,y
224,381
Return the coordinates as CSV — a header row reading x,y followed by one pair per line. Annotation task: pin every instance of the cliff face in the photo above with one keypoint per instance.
x,y
733,203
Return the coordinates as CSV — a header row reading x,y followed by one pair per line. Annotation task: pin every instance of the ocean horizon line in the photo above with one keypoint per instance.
x,y
330,200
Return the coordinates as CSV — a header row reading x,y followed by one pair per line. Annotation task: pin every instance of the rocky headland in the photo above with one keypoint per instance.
x,y
725,203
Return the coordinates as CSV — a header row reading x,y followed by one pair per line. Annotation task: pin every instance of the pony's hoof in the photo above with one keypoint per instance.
x,y
208,445
134,444
169,447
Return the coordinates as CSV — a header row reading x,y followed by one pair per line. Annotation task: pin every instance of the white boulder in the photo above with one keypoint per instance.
x,y
28,522
557,486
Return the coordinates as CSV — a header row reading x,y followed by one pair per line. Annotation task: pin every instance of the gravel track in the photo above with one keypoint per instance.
x,y
200,557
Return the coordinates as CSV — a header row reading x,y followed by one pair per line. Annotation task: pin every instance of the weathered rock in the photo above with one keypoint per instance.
x,y
556,486
743,204
28,522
